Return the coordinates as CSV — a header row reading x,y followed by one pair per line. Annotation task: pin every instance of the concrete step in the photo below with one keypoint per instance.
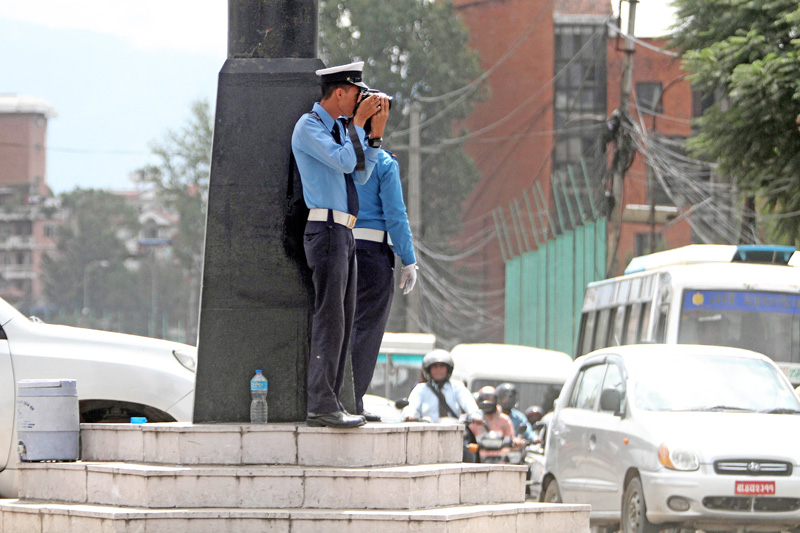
x,y
43,517
272,444
164,486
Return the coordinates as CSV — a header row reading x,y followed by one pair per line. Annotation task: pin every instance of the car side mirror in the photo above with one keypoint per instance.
x,y
611,400
401,404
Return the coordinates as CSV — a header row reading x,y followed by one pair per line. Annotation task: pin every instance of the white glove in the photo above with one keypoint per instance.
x,y
408,277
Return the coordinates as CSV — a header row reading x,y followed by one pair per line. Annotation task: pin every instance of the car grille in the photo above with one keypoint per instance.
x,y
747,504
752,467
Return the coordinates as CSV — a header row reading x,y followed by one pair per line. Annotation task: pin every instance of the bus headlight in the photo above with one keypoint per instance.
x,y
676,458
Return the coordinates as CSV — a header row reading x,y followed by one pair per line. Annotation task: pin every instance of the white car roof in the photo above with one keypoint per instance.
x,y
510,362
650,350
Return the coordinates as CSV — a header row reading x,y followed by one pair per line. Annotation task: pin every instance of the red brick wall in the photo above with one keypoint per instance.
x,y
22,149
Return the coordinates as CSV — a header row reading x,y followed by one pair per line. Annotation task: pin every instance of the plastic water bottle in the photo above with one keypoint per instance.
x,y
258,402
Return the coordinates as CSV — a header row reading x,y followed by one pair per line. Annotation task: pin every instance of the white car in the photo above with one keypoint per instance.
x,y
117,376
383,407
654,436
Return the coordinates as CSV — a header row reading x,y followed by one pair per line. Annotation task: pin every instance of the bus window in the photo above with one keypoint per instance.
x,y
661,323
620,318
632,325
587,332
601,329
644,328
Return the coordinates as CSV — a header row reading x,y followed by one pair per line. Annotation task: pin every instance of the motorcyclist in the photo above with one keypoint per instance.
x,y
439,397
507,397
535,415
493,420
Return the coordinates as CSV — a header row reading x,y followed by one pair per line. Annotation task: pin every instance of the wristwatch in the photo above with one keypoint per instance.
x,y
375,142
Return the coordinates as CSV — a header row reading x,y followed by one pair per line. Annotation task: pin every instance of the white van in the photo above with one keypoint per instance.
x,y
538,374
399,363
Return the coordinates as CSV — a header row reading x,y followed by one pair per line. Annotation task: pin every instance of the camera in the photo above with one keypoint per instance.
x,y
368,92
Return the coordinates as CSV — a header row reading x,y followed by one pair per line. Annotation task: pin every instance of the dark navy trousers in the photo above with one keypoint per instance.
x,y
373,302
331,256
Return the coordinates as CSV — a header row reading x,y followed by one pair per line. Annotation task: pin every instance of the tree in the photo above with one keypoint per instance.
x,y
90,248
746,53
181,180
414,49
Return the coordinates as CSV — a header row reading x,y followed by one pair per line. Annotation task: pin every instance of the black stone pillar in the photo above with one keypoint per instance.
x,y
256,302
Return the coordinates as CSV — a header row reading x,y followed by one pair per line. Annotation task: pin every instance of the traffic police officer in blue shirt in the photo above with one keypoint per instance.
x,y
382,230
327,161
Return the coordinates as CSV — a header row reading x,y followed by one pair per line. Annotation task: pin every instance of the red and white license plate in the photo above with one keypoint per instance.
x,y
755,487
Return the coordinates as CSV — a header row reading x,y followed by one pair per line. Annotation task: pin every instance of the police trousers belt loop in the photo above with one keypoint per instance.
x,y
321,215
369,234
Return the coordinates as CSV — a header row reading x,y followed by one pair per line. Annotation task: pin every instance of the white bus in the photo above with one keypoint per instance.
x,y
740,296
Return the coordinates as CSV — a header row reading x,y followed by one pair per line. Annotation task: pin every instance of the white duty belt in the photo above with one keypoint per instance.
x,y
369,234
321,215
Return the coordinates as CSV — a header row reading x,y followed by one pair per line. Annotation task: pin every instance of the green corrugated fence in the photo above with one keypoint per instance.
x,y
544,286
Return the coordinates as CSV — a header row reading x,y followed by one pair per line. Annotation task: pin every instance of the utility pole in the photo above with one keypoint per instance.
x,y
623,145
414,206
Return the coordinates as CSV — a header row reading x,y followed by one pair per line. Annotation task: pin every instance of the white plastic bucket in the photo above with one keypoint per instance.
x,y
48,421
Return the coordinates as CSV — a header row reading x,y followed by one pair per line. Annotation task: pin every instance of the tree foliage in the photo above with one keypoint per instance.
x,y
747,54
181,178
97,224
413,49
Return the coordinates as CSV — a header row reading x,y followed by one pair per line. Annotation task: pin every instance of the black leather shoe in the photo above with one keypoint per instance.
x,y
337,419
370,417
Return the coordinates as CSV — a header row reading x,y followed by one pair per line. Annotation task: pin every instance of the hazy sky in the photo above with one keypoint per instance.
x,y
121,73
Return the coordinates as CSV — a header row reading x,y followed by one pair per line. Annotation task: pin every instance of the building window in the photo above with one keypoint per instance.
x,y
580,90
648,97
579,106
701,102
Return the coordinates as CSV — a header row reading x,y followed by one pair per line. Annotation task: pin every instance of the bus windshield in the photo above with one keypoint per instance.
x,y
765,322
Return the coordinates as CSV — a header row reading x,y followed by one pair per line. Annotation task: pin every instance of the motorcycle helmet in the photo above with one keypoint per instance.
x,y
534,413
487,399
507,396
437,356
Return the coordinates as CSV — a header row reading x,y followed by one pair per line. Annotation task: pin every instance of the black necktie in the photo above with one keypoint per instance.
x,y
352,195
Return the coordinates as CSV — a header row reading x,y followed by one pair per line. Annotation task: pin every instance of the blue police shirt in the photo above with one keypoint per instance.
x,y
381,206
322,162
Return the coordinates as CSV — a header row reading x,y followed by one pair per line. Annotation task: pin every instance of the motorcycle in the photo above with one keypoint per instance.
x,y
489,440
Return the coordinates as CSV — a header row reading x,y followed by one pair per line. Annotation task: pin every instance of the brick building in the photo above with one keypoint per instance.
x,y
554,71
28,216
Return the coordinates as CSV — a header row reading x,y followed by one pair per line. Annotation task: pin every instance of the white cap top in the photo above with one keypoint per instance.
x,y
350,73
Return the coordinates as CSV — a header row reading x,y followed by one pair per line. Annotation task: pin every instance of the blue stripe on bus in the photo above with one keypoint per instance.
x,y
758,302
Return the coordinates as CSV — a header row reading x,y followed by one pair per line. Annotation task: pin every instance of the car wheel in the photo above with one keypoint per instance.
x,y
551,493
634,510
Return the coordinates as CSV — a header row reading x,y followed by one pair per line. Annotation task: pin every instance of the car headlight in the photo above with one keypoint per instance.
x,y
186,358
676,458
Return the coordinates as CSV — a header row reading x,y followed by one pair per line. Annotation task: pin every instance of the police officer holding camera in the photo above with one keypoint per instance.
x,y
331,160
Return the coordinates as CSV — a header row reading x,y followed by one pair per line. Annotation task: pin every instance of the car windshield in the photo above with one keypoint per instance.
x,y
684,382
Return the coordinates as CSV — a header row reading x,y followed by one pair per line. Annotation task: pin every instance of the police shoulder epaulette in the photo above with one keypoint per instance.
x,y
390,153
313,114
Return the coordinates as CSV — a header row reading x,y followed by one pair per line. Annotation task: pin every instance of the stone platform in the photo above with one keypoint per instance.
x,y
276,478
